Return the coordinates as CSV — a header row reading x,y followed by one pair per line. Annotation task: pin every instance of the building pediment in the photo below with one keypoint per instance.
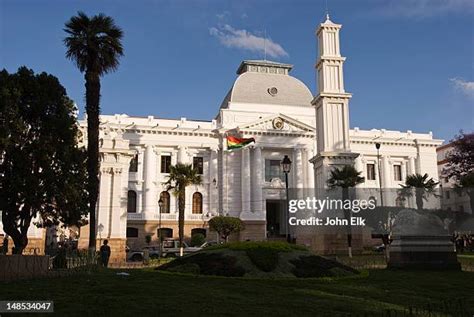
x,y
277,123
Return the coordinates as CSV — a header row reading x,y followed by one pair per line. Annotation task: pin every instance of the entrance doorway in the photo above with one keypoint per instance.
x,y
275,210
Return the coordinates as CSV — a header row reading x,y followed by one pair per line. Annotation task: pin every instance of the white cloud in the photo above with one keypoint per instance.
x,y
419,9
243,39
222,16
467,87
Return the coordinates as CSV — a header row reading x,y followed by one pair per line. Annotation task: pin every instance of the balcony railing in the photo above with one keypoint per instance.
x,y
171,216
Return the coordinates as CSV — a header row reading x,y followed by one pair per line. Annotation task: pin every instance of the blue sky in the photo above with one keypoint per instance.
x,y
409,62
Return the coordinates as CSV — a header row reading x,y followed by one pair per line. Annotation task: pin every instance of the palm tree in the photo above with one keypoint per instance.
x,y
345,178
422,185
94,44
181,176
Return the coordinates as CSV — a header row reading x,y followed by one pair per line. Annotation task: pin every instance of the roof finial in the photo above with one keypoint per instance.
x,y
327,11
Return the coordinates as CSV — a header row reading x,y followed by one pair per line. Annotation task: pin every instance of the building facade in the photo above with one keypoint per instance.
x,y
278,110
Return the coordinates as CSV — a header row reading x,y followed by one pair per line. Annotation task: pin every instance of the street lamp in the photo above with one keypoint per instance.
x,y
377,146
286,167
160,205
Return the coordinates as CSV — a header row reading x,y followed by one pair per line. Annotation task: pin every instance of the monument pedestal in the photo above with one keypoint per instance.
x,y
423,252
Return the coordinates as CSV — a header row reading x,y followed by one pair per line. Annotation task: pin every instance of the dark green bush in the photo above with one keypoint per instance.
x,y
197,239
248,245
316,266
264,258
189,268
209,264
60,260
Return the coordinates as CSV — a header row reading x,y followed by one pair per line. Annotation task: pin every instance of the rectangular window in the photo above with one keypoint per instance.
x,y
165,163
133,164
273,170
371,172
198,164
397,172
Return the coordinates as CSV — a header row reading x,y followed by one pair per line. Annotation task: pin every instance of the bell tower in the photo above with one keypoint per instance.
x,y
331,105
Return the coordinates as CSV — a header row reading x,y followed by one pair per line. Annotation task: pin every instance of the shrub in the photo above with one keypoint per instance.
x,y
225,226
316,266
263,258
148,239
209,264
190,268
248,245
60,260
197,239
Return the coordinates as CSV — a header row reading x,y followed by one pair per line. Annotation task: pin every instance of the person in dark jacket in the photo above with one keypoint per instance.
x,y
105,253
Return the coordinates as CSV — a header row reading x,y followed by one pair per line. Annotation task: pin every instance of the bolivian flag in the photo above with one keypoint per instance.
x,y
237,143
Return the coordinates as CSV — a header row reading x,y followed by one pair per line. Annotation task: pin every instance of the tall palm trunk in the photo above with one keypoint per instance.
x,y
419,198
93,110
181,207
347,216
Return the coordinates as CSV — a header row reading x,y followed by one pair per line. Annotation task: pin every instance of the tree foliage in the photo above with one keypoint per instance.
x,y
422,185
460,164
181,176
41,167
345,177
225,226
94,44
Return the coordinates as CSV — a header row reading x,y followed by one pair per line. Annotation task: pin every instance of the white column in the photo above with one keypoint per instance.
x,y
257,179
298,168
404,170
182,154
116,210
213,193
385,172
310,167
150,202
105,202
245,180
411,166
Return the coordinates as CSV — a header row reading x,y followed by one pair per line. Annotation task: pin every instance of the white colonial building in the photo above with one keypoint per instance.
x,y
265,102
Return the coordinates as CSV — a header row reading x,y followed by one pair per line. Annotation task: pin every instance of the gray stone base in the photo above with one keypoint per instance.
x,y
423,252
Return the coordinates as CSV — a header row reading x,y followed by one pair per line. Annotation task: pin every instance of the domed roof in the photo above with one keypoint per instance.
x,y
265,82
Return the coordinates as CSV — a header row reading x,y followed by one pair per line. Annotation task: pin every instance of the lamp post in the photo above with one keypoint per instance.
x,y
377,146
286,167
160,205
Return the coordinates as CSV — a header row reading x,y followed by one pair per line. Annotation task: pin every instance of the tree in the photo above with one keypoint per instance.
x,y
181,176
460,164
42,170
422,186
225,226
94,44
345,178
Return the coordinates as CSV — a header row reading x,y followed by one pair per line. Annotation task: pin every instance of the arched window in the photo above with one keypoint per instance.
x,y
131,201
197,203
164,233
165,198
198,230
133,164
132,232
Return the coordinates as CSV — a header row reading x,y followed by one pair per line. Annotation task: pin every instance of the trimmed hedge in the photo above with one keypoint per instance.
x,y
264,258
249,245
316,266
208,263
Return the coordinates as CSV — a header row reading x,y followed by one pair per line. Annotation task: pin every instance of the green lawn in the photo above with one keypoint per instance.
x,y
146,292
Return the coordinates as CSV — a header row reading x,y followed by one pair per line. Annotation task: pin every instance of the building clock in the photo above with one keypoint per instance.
x,y
278,124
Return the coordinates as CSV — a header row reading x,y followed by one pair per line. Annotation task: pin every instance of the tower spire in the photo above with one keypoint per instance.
x,y
265,45
327,10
